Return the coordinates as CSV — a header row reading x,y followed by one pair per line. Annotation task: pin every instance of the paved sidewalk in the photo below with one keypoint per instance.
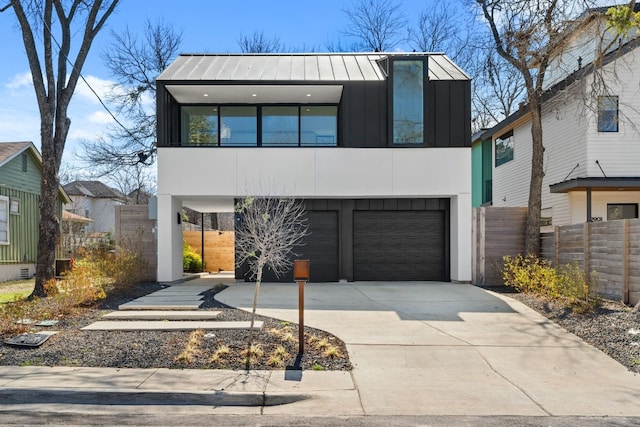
x,y
417,349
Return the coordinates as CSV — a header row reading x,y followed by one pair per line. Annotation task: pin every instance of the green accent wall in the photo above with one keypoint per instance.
x,y
476,175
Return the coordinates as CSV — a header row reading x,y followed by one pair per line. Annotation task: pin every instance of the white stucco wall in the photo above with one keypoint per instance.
x,y
194,174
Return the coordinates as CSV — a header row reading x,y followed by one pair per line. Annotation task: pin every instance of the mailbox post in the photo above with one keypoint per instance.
x,y
301,275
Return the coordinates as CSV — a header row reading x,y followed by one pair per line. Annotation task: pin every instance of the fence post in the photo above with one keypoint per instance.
x,y
625,262
556,245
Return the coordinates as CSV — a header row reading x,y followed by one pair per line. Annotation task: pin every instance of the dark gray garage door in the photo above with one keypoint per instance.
x,y
399,245
321,248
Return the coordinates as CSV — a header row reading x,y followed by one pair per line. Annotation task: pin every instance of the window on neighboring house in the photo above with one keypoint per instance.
x,y
15,206
25,161
621,211
504,148
408,101
607,114
280,126
4,220
199,125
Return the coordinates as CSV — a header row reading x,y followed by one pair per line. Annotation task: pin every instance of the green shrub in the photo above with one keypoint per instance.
x,y
569,284
191,260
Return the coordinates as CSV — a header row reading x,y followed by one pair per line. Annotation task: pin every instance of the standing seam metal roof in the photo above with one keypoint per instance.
x,y
298,67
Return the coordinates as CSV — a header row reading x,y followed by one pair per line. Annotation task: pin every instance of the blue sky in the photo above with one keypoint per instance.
x,y
207,26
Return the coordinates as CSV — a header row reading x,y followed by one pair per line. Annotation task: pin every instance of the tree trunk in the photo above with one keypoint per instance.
x,y
255,301
532,236
49,227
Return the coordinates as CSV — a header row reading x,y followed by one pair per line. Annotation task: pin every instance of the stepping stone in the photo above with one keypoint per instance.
x,y
161,315
170,298
133,305
153,325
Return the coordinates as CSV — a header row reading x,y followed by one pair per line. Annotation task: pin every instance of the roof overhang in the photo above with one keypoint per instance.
x,y
596,184
255,94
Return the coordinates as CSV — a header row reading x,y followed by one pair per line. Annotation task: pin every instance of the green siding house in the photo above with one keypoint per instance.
x,y
20,174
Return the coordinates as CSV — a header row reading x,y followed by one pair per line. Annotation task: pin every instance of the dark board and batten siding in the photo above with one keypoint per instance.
x,y
363,114
375,239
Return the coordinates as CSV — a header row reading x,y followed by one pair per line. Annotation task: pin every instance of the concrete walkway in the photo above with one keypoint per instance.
x,y
448,349
423,349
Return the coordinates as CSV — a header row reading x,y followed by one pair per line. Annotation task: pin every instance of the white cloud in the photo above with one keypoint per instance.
x,y
100,117
101,86
20,80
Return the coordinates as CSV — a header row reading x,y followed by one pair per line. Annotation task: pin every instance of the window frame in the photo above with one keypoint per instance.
x,y
635,205
7,204
259,125
391,106
605,123
506,136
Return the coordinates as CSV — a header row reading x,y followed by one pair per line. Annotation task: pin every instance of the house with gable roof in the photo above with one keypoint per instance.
x,y
96,201
376,145
592,152
20,176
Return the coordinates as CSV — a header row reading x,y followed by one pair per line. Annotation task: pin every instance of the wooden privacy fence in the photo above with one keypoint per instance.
x,y
497,231
611,249
134,230
218,248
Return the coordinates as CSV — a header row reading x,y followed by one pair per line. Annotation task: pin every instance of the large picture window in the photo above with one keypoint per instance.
x,y
504,148
4,220
408,101
319,126
608,114
200,125
280,126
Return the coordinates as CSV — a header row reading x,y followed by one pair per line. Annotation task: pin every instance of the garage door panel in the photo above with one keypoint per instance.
x,y
399,245
320,247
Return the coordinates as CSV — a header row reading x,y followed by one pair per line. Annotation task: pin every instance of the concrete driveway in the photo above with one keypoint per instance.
x,y
426,348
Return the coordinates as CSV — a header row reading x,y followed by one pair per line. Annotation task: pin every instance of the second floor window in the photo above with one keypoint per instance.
x,y
608,114
263,125
504,148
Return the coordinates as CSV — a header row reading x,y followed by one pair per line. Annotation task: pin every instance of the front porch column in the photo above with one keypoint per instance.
x,y
461,238
169,238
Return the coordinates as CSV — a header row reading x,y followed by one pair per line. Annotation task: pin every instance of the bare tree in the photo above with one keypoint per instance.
x,y
266,235
377,24
135,63
528,34
55,67
259,42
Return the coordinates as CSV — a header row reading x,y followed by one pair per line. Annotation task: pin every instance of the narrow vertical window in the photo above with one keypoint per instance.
x,y
4,220
24,162
408,101
608,114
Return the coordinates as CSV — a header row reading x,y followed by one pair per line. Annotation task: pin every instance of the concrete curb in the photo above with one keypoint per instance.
x,y
133,397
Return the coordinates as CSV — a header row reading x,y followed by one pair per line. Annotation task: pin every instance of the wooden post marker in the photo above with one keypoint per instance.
x,y
301,275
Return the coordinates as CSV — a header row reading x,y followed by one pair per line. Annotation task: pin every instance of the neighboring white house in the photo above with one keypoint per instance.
x,y
96,201
591,139
376,144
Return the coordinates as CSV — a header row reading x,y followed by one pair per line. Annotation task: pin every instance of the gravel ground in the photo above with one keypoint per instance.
x,y
162,349
613,328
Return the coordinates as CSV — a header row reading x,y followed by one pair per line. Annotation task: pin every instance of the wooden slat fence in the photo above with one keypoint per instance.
x,y
218,248
497,231
611,249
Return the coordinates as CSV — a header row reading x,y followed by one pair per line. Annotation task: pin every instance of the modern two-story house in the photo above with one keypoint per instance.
x,y
590,131
375,144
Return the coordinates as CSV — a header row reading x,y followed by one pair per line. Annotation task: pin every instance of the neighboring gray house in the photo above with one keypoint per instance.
x,y
96,201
